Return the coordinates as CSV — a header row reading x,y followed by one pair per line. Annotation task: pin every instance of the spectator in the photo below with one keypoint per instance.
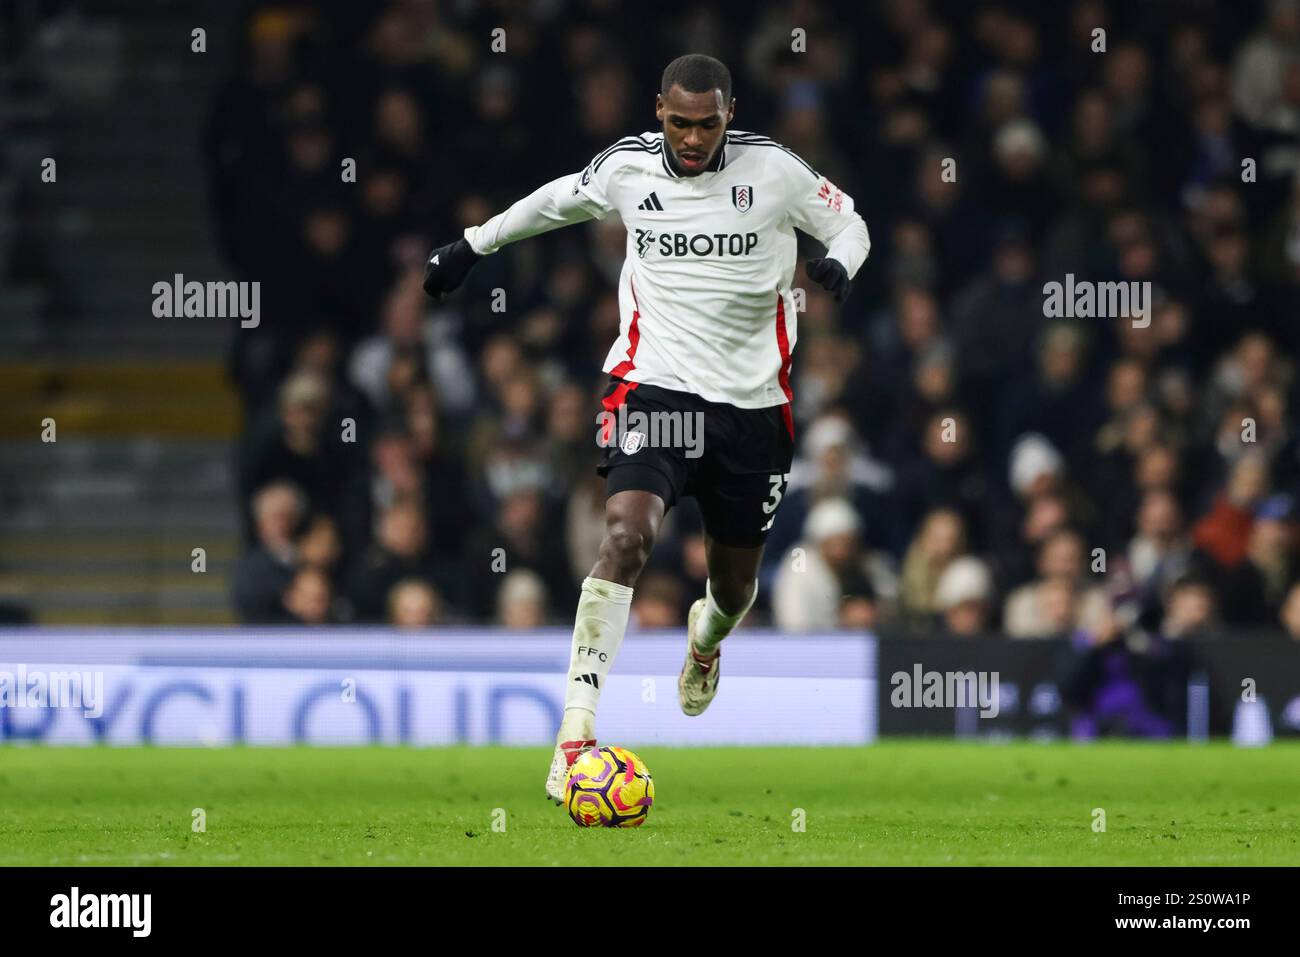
x,y
948,472
964,596
1036,466
1045,500
658,601
941,539
1034,610
299,442
1191,611
1057,401
1161,552
414,604
400,553
429,342
262,575
828,567
999,307
308,598
319,547
521,601
833,465
1263,80
1254,590
523,535
569,449
1224,533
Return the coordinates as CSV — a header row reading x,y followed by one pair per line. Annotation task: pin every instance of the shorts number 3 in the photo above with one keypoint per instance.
x,y
769,508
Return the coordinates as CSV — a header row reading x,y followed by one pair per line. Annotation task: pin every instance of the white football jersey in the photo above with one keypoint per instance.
x,y
705,292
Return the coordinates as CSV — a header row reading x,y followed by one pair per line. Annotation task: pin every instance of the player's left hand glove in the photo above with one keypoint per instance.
x,y
832,276
447,267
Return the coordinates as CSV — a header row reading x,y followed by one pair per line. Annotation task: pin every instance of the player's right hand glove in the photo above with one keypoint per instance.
x,y
832,276
447,267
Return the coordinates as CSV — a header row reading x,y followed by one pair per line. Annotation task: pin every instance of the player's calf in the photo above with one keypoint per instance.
x,y
715,623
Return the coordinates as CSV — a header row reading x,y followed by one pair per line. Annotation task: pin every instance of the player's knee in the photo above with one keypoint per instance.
x,y
627,547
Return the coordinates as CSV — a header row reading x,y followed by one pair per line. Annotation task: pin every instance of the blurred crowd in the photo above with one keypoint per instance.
x,y
966,465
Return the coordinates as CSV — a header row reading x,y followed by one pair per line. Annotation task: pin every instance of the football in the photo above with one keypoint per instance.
x,y
609,787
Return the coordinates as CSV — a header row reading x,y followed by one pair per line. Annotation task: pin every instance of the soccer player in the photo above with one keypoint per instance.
x,y
707,331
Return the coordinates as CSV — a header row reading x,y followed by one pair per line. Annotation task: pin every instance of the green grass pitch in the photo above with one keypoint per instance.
x,y
900,803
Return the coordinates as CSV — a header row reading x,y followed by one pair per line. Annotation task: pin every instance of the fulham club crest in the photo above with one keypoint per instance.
x,y
742,197
632,442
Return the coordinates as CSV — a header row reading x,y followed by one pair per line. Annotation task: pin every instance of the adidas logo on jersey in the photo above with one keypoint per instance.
x,y
651,202
590,679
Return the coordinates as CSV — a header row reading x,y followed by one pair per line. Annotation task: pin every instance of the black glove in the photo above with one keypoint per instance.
x,y
832,276
447,267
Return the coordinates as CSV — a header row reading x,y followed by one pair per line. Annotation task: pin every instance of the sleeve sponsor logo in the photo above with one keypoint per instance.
x,y
831,195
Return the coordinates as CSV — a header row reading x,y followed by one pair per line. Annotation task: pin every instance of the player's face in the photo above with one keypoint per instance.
x,y
694,124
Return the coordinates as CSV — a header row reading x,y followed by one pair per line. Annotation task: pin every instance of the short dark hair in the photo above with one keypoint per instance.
x,y
697,73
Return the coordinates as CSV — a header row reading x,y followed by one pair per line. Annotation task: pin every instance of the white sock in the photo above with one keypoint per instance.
x,y
714,625
598,631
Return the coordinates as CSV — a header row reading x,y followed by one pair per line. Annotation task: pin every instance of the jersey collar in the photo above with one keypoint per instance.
x,y
717,165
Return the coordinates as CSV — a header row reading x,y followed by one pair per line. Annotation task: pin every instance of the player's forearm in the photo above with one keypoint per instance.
x,y
546,208
850,246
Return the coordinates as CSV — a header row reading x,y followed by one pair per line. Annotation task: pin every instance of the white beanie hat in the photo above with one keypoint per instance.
x,y
834,516
1033,455
522,584
827,432
965,579
1019,136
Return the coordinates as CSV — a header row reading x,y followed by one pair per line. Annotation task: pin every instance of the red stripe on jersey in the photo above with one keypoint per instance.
x,y
633,336
611,403
783,377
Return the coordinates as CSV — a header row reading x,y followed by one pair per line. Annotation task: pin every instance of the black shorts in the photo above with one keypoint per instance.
x,y
734,462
